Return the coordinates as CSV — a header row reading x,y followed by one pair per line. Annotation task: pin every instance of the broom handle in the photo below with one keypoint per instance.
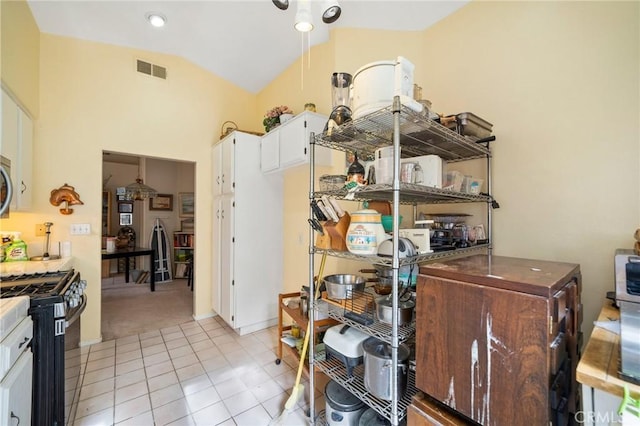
x,y
305,344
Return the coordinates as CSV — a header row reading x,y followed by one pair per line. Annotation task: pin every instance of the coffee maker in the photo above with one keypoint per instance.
x,y
340,100
627,284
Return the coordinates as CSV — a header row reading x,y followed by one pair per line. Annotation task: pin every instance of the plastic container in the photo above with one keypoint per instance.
x,y
453,181
17,249
332,182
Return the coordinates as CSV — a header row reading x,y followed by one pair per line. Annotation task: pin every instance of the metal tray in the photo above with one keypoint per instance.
x,y
469,124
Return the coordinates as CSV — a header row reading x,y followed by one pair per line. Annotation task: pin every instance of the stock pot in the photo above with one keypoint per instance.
x,y
378,371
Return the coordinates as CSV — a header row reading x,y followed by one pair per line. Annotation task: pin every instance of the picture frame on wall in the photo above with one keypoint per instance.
x,y
186,203
161,202
125,207
126,219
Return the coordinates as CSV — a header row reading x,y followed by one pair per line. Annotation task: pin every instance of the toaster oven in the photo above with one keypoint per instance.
x,y
627,270
627,276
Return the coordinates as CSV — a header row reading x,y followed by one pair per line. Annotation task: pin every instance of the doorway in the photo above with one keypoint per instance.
x,y
130,308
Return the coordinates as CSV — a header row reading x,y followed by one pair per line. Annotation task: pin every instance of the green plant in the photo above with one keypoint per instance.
x,y
272,117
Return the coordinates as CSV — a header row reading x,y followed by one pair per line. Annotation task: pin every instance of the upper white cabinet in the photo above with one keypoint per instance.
x,y
17,146
287,145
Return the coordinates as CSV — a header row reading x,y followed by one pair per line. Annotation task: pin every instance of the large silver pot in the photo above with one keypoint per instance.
x,y
378,371
339,285
384,310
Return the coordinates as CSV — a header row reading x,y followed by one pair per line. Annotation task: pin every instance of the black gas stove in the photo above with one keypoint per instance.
x,y
45,283
56,301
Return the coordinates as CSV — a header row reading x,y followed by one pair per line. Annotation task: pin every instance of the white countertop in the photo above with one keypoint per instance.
x,y
34,267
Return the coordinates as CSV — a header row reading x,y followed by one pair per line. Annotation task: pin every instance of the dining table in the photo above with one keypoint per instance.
x,y
128,252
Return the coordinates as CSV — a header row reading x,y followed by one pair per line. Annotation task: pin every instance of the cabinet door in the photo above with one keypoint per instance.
x,y
17,146
226,256
475,344
216,165
228,165
270,151
10,137
25,149
216,261
294,142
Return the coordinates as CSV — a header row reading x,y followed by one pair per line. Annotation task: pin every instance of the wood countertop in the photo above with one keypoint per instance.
x,y
599,364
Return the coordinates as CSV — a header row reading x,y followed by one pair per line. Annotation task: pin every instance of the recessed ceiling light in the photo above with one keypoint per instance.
x,y
156,19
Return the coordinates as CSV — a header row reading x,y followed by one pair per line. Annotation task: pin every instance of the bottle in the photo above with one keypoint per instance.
x,y
17,249
6,240
418,174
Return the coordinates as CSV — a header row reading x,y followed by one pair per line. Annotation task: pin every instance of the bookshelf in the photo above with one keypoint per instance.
x,y
183,245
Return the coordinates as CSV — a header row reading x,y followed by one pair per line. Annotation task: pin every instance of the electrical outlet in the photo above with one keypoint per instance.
x,y
80,229
41,230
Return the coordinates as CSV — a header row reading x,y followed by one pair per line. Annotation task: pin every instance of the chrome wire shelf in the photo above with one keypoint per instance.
x,y
377,329
419,135
412,260
410,193
336,370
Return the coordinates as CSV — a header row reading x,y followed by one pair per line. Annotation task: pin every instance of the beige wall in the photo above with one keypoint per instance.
x,y
92,99
559,81
20,62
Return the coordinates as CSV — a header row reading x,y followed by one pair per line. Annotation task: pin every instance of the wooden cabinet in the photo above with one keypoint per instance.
x,y
17,146
247,235
288,144
183,246
497,338
425,411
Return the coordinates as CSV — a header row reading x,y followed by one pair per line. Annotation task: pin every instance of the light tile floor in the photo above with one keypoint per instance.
x,y
197,373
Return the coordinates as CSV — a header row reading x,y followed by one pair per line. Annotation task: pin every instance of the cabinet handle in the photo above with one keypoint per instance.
x,y
223,178
222,214
25,341
24,187
217,214
218,180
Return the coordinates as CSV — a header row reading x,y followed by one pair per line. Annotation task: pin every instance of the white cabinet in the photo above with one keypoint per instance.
x,y
288,144
247,235
17,146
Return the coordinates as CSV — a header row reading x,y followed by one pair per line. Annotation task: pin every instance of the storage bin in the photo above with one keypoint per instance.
x,y
473,185
453,181
332,182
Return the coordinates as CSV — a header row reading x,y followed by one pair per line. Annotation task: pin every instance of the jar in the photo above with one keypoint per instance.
x,y
310,107
365,232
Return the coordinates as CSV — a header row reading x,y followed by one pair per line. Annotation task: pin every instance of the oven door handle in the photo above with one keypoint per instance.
x,y
80,309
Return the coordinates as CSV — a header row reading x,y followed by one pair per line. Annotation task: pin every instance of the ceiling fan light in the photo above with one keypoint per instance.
x,y
304,20
281,4
331,11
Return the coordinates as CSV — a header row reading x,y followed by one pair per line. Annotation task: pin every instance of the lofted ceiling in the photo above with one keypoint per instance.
x,y
247,42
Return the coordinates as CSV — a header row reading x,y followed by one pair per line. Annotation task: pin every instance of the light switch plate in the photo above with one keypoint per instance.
x,y
80,229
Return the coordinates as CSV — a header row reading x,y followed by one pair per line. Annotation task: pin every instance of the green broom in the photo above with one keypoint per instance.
x,y
298,388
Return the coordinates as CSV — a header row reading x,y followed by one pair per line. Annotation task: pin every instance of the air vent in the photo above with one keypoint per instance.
x,y
160,72
151,69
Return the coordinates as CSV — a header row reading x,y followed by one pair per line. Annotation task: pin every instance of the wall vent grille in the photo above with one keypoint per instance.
x,y
151,69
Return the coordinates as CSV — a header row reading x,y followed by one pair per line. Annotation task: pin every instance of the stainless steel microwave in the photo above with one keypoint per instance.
x,y
6,188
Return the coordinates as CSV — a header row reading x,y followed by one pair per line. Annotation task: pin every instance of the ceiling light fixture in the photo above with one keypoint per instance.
x,y
281,4
331,11
304,20
138,191
156,19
